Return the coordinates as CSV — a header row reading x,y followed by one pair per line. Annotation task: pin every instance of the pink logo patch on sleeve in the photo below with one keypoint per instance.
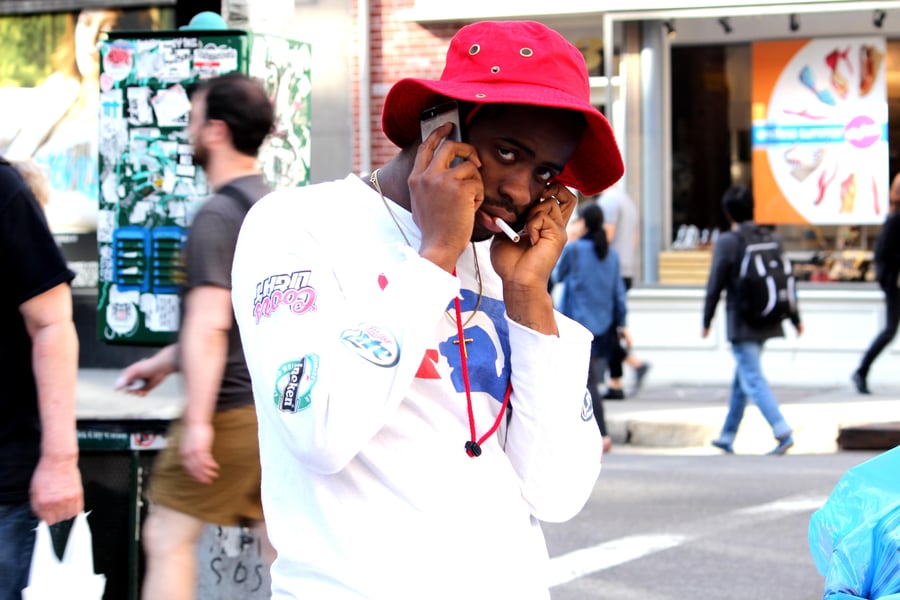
x,y
290,290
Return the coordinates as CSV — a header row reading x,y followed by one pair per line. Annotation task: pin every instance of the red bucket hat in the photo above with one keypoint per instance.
x,y
514,62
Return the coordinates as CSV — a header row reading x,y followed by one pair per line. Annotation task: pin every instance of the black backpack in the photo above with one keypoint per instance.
x,y
766,287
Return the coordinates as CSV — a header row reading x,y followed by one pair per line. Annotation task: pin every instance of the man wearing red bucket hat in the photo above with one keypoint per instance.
x,y
421,405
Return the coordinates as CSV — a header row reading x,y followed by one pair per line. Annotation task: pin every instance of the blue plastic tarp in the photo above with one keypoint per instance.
x,y
855,537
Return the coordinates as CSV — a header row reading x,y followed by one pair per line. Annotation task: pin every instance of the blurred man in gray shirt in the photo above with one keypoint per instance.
x,y
622,230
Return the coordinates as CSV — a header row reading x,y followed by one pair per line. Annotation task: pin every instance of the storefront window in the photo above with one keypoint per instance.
x,y
711,139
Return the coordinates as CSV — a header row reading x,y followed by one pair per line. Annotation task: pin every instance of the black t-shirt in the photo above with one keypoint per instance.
x,y
30,264
209,253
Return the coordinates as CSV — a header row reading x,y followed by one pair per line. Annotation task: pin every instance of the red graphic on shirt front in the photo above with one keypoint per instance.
x,y
428,368
382,281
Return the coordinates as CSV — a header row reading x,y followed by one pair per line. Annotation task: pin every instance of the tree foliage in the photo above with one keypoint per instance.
x,y
26,43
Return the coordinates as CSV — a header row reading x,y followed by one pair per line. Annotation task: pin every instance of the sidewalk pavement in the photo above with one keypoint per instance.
x,y
686,416
662,416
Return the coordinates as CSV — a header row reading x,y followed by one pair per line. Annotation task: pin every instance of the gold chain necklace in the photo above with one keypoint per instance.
x,y
373,179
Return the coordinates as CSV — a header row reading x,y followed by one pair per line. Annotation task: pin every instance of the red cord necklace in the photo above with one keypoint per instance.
x,y
473,445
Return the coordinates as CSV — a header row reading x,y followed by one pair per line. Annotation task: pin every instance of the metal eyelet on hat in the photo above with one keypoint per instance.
x,y
481,95
474,49
495,69
526,52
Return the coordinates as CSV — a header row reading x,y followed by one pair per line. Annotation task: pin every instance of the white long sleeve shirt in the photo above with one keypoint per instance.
x,y
367,489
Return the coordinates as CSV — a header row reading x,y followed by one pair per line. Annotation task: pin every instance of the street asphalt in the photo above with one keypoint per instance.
x,y
663,415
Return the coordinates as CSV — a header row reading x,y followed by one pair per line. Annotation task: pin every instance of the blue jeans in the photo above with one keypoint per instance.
x,y
749,382
17,525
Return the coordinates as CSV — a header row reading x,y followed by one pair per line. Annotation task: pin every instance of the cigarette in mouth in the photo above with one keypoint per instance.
x,y
506,229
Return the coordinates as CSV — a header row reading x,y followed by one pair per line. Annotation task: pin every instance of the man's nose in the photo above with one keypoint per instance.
x,y
519,186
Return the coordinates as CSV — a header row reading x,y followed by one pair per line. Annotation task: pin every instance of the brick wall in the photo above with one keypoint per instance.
x,y
398,48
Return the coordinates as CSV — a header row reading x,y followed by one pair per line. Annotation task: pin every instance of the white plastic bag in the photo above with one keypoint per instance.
x,y
73,577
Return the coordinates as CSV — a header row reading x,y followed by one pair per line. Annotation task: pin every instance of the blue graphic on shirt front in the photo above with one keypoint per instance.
x,y
489,368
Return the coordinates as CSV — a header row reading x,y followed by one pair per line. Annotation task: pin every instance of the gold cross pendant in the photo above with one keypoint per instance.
x,y
465,345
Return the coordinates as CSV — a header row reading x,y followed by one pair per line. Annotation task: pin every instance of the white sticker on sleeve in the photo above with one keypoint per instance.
x,y
376,345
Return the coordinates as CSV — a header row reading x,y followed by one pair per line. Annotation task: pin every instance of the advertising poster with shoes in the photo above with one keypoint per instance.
x,y
820,141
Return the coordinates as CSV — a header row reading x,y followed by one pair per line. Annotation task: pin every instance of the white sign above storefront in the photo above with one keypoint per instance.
x,y
471,10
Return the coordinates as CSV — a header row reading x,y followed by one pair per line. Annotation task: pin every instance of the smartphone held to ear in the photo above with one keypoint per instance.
x,y
432,118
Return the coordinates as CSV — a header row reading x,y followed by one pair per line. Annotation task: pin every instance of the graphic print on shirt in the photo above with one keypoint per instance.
x,y
373,343
291,290
294,383
587,407
488,357
428,368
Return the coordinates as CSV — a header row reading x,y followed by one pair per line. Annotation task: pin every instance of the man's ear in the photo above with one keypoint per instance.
x,y
218,131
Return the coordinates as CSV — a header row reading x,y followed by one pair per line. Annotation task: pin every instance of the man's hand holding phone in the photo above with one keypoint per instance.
x,y
525,267
445,189
530,261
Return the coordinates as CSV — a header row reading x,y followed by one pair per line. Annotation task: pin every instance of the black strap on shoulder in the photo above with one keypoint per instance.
x,y
235,193
753,235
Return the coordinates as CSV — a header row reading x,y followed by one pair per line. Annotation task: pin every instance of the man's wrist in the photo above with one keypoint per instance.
x,y
531,308
60,455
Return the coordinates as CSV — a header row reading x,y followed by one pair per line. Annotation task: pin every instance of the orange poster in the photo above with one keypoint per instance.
x,y
820,144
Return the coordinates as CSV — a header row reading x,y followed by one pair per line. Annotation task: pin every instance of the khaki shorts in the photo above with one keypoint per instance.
x,y
233,497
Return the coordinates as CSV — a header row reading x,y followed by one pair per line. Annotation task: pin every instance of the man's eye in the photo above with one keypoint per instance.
x,y
506,154
545,174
